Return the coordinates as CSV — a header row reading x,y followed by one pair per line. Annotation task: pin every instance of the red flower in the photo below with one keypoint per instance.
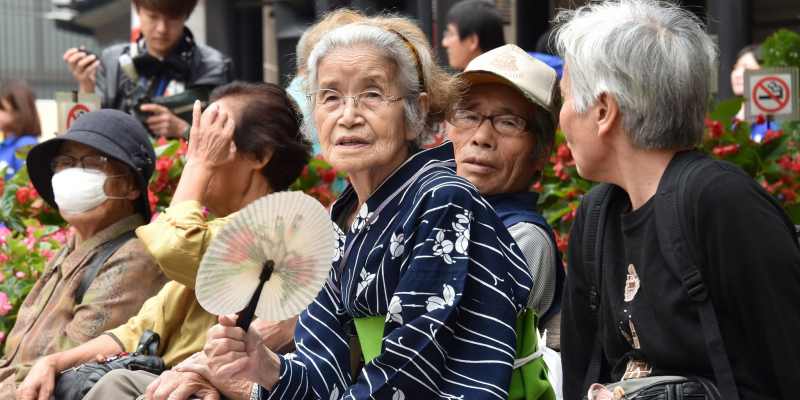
x,y
571,194
562,241
715,129
537,186
570,215
164,164
558,169
153,200
771,188
722,151
789,195
760,119
328,175
772,135
183,148
564,153
23,195
790,164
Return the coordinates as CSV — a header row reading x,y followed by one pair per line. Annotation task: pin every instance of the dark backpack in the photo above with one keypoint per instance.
x,y
677,245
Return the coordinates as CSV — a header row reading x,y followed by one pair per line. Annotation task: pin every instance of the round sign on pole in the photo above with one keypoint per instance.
x,y
76,111
771,94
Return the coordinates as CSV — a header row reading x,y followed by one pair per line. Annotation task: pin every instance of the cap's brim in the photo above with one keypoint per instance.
x,y
483,77
41,175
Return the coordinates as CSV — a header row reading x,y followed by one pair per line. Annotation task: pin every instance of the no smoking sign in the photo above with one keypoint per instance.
x,y
771,92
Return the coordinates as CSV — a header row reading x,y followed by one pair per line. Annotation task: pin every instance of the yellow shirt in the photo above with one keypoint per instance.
x,y
177,239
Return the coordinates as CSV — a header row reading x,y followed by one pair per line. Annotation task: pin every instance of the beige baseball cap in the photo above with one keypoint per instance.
x,y
512,66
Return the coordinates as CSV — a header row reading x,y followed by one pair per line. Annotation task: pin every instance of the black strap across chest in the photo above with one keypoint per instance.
x,y
97,260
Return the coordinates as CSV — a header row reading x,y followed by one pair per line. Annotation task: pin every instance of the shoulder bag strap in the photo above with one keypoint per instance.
x,y
676,244
99,258
598,200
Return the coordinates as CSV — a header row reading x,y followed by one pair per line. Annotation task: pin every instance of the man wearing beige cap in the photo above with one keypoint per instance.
x,y
502,132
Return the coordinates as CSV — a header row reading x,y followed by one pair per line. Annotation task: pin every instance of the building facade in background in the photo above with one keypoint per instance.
x,y
260,36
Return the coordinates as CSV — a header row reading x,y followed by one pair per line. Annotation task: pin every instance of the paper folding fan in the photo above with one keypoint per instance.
x,y
270,259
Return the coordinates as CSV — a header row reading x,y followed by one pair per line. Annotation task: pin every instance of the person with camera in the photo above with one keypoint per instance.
x,y
159,74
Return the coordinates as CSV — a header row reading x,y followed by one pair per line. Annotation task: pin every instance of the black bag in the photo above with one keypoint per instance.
x,y
666,388
74,383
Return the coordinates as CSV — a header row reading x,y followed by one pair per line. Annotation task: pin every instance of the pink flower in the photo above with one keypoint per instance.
x,y
60,236
4,233
5,305
30,241
20,275
2,336
47,254
3,259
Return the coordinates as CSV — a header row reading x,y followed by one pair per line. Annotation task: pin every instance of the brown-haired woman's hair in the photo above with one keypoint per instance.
x,y
269,119
172,8
19,96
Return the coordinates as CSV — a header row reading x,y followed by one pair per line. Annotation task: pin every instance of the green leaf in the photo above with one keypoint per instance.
x,y
794,212
726,110
168,150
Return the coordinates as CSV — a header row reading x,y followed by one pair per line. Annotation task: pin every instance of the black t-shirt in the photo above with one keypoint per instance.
x,y
749,263
647,304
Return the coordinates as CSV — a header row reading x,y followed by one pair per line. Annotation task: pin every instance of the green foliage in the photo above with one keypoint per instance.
x,y
781,49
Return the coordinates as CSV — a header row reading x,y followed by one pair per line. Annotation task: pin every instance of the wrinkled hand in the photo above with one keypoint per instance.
x,y
40,382
162,122
83,68
232,354
231,388
278,336
211,136
174,385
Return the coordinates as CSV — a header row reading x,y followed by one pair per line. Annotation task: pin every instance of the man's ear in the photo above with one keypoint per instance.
x,y
472,42
606,114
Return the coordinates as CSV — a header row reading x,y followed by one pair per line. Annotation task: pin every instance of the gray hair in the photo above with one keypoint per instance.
x,y
300,60
389,44
653,57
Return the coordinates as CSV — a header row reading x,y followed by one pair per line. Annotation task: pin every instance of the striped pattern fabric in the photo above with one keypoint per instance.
x,y
427,253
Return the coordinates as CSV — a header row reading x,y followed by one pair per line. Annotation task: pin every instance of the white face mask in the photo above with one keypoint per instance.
x,y
77,190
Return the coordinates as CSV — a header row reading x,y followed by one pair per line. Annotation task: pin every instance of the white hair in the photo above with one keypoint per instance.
x,y
653,57
390,45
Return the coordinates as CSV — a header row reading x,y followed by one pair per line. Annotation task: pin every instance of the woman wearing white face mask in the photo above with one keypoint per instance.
x,y
96,175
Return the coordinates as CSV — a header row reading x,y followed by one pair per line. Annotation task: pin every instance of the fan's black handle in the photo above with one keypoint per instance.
x,y
245,317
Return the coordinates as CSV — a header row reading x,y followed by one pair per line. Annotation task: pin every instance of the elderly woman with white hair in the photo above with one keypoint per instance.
x,y
422,259
679,265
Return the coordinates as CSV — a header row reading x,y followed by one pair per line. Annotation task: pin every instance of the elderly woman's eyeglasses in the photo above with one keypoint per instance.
x,y
504,124
332,100
95,162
